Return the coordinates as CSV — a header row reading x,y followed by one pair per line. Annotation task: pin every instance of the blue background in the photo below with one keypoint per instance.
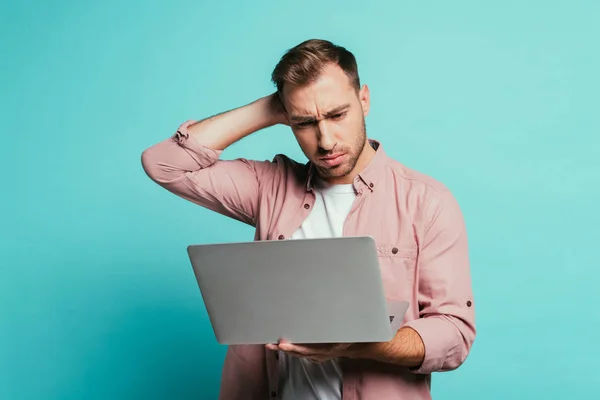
x,y
497,99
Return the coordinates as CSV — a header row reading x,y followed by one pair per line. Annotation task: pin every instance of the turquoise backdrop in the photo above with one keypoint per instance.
x,y
497,99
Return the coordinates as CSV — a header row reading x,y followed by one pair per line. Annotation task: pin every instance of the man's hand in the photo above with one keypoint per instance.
x,y
317,353
276,109
222,130
406,349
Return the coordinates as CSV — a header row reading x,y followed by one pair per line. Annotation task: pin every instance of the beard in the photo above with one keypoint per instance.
x,y
354,152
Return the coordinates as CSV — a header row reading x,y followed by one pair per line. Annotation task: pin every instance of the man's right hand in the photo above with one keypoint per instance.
x,y
277,110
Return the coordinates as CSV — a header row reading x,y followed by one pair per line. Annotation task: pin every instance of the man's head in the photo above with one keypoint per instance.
x,y
319,87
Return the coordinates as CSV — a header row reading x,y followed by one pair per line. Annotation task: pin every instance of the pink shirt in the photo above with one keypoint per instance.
x,y
421,240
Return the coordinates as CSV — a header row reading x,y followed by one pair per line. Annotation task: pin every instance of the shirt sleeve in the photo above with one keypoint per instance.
x,y
447,317
194,172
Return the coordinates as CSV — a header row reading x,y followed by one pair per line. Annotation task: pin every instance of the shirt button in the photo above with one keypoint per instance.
x,y
395,250
469,303
371,185
307,206
281,237
273,394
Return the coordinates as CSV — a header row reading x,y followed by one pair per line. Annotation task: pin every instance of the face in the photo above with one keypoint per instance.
x,y
328,121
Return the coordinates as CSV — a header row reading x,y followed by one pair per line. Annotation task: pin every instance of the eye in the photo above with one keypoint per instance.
x,y
303,124
338,115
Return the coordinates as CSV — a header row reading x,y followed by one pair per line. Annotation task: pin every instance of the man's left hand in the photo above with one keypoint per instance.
x,y
317,353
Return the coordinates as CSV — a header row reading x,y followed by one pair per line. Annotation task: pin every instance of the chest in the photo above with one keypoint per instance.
x,y
380,215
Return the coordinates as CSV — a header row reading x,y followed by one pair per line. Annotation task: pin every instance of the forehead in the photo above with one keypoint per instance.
x,y
332,89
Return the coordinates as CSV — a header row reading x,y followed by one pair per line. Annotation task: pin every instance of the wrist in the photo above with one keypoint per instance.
x,y
260,113
272,110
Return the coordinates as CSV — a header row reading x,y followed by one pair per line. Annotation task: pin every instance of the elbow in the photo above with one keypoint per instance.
x,y
150,165
168,162
462,350
447,341
455,358
458,359
158,169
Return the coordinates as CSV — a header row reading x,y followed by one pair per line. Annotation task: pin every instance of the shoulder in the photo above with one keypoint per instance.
x,y
426,196
282,167
415,179
285,163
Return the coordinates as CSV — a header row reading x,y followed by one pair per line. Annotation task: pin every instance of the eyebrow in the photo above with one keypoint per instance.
x,y
310,118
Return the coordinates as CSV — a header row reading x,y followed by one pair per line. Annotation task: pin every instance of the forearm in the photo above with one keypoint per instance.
x,y
220,131
405,349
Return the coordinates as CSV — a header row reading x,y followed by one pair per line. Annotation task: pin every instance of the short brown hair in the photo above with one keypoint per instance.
x,y
304,63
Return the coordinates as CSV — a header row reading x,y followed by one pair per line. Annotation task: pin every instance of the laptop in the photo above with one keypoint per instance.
x,y
304,291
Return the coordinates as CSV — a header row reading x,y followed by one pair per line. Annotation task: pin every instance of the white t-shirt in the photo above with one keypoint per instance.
x,y
300,378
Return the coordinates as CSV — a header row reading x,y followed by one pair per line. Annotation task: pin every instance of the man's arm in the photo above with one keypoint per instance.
x,y
441,338
220,131
405,349
447,310
188,165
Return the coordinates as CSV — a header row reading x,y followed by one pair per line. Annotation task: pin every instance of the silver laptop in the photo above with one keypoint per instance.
x,y
304,291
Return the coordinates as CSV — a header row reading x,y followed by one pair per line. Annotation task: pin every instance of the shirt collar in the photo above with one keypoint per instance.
x,y
367,177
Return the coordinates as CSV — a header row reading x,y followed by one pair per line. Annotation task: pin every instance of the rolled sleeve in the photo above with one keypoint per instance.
x,y
446,323
202,155
170,159
185,167
445,346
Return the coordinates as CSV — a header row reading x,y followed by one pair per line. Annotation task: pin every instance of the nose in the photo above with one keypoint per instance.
x,y
326,137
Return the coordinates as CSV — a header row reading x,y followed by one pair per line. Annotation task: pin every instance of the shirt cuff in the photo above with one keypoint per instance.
x,y
204,156
434,334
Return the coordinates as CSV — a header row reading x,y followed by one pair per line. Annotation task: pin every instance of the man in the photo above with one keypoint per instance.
x,y
349,187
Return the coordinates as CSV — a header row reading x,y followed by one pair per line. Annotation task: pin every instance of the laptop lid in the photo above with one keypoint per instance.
x,y
304,291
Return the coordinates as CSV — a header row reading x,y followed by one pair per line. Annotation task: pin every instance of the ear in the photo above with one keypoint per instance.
x,y
364,96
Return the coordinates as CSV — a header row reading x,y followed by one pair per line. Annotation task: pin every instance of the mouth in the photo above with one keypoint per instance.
x,y
333,160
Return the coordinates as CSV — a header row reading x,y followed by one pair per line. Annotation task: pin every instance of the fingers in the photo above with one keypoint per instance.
x,y
341,346
298,350
311,348
306,350
275,346
315,352
311,358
